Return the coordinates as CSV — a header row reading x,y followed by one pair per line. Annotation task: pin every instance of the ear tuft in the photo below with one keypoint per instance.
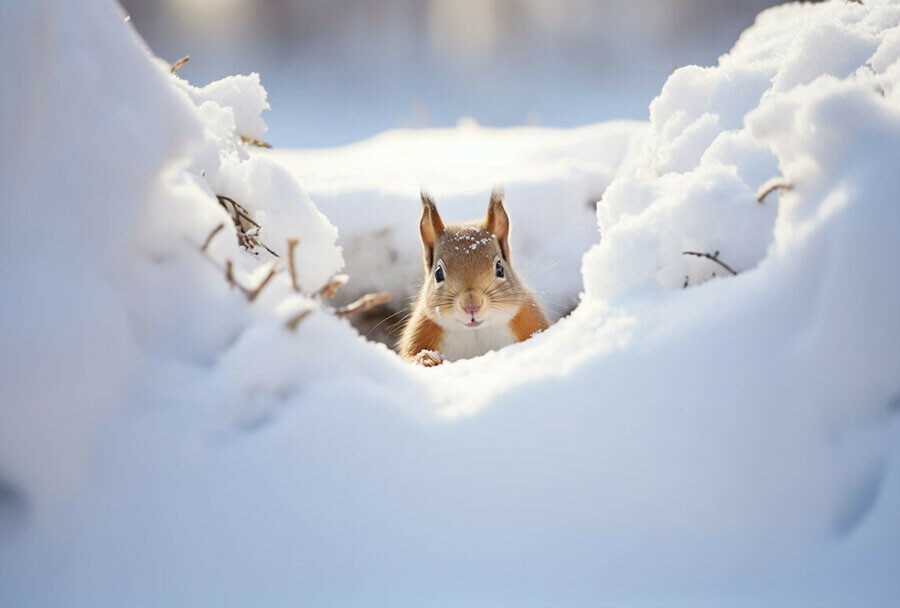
x,y
431,227
497,221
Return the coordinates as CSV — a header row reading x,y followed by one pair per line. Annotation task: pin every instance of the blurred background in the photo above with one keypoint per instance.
x,y
341,70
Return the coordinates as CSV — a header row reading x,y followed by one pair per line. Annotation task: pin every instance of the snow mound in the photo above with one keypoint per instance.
x,y
165,439
552,179
115,195
696,186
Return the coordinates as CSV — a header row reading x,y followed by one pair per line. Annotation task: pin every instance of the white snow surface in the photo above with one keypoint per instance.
x,y
551,177
165,442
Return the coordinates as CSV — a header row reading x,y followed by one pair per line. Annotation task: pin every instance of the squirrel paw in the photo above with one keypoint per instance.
x,y
429,358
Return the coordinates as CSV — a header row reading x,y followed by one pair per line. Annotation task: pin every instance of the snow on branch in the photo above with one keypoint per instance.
x,y
367,302
776,183
710,256
338,281
363,304
247,228
252,141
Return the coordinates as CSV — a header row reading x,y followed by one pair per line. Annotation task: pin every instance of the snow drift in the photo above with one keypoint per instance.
x,y
163,441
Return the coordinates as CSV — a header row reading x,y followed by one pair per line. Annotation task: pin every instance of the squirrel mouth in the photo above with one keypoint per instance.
x,y
472,323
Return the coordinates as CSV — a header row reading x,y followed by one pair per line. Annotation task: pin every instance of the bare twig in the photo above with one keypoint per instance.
x,y
336,282
177,65
711,256
246,235
229,276
262,285
252,141
237,209
292,245
211,236
367,302
294,321
266,247
776,183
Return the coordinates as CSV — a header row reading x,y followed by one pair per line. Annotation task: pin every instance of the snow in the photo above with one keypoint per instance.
x,y
166,440
551,178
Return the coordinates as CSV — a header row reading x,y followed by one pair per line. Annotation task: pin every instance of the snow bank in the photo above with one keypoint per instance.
x,y
552,179
733,443
108,198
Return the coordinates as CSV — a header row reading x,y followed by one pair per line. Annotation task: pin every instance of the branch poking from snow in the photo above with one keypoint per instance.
x,y
711,256
776,183
211,236
252,141
247,237
336,282
262,285
177,65
367,302
294,321
292,245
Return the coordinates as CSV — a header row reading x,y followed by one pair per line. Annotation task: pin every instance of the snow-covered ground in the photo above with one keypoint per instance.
x,y
552,178
684,438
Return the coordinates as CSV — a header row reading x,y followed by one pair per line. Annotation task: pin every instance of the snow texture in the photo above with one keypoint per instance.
x,y
163,441
552,178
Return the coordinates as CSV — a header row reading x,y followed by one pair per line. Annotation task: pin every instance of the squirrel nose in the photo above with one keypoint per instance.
x,y
470,302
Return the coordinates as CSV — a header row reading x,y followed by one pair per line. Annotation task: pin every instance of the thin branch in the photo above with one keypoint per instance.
x,y
711,256
252,141
294,321
292,245
211,236
227,270
247,237
776,183
367,302
229,276
239,210
336,282
177,65
262,285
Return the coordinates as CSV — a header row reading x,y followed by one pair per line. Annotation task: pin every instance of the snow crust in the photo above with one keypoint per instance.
x,y
163,441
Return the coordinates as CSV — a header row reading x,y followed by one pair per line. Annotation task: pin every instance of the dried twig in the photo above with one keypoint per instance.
x,y
227,270
294,321
252,141
262,285
776,183
237,210
211,236
247,235
177,65
229,276
367,302
336,282
711,256
292,244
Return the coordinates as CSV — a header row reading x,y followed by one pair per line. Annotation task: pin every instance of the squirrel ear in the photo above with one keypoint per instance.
x,y
431,227
497,221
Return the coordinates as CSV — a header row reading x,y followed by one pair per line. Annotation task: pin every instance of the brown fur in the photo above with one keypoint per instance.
x,y
422,334
467,254
528,320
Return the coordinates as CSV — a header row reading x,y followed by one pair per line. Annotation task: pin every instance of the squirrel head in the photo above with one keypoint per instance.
x,y
469,278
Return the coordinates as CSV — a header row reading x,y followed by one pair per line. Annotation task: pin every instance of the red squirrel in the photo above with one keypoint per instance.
x,y
471,301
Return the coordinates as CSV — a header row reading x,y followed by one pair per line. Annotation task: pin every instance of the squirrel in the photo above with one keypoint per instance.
x,y
471,301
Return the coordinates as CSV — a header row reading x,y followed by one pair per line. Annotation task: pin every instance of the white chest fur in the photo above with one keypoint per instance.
x,y
465,343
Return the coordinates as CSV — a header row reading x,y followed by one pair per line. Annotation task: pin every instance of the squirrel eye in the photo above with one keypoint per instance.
x,y
498,270
439,275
